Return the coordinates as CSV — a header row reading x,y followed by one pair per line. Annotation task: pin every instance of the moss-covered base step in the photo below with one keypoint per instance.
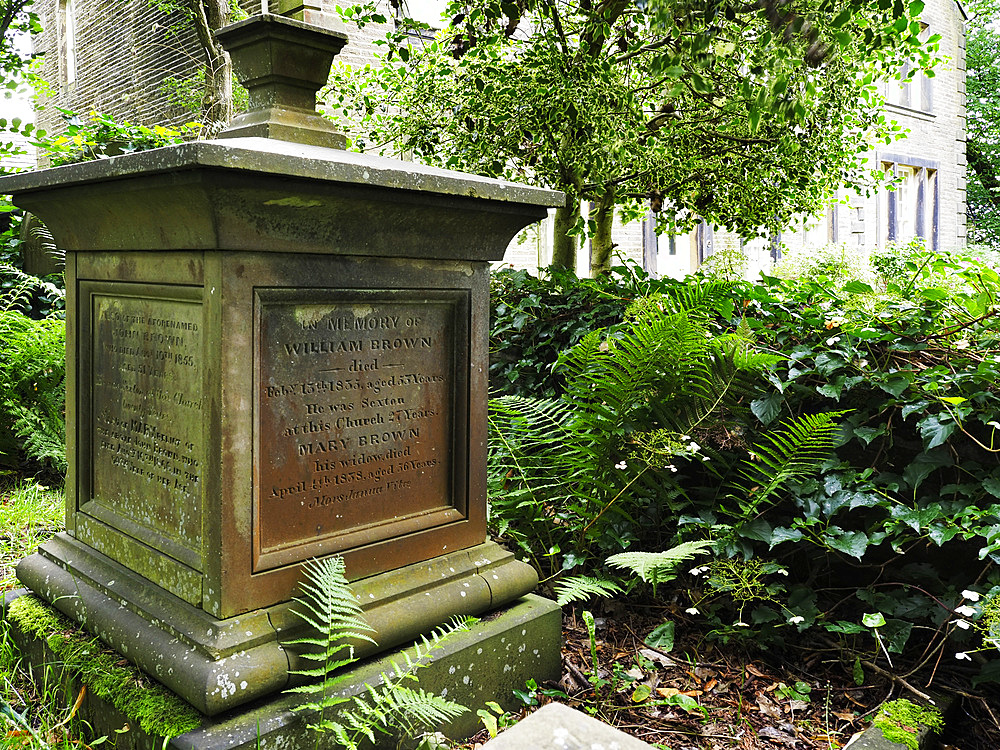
x,y
904,725
496,657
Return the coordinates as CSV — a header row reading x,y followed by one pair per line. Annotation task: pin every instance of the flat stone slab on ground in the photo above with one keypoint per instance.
x,y
559,727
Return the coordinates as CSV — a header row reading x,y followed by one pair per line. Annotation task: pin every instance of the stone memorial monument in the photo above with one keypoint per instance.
x,y
277,351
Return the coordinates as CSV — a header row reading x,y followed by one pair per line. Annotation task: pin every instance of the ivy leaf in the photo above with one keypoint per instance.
x,y
662,637
922,465
831,390
992,485
941,534
758,529
867,434
936,429
894,385
780,535
865,500
873,619
916,406
853,543
767,409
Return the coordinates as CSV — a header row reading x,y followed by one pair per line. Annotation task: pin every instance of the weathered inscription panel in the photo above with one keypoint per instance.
x,y
146,411
356,417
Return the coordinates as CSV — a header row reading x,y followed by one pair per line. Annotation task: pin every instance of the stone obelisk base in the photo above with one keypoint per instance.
x,y
503,651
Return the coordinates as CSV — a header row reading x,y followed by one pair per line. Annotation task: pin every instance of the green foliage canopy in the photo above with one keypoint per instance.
x,y
740,114
983,102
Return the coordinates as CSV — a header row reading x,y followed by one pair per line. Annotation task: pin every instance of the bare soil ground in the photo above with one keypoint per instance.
x,y
743,698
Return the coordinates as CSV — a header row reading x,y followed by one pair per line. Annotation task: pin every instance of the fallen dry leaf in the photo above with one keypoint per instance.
x,y
778,736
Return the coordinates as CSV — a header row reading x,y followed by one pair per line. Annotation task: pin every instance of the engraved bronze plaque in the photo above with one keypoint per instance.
x,y
361,425
146,451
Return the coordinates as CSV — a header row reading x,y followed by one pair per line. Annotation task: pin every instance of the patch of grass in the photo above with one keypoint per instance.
x,y
30,513
35,711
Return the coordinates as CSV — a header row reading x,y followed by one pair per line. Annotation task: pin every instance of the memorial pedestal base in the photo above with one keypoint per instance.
x,y
216,665
486,664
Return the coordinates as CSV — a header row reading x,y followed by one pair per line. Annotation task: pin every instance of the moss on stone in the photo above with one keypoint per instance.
x,y
901,721
155,709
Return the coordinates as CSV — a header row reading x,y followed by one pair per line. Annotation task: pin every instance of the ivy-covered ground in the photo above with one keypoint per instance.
x,y
831,433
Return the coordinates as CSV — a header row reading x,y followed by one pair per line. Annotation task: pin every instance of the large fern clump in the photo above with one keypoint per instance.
x,y
32,390
593,472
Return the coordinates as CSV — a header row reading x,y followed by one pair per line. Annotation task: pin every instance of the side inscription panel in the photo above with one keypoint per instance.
x,y
146,446
359,397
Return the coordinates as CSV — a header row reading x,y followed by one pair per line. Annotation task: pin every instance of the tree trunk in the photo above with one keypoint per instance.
x,y
217,101
564,244
601,244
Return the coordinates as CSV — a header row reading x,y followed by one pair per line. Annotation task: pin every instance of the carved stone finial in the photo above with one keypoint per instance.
x,y
282,63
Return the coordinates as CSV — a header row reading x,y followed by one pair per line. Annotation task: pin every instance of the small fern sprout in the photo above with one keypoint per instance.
x,y
330,609
395,709
658,567
328,606
581,588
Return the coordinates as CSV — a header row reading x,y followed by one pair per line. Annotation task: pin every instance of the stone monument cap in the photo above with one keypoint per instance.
x,y
282,63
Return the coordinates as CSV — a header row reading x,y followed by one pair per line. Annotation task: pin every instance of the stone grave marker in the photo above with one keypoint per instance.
x,y
559,727
277,350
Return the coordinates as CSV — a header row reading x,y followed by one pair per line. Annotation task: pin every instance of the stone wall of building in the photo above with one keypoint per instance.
x,y
113,56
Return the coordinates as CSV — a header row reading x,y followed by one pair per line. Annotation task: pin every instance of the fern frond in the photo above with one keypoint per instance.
x,y
793,451
17,296
581,588
397,709
657,567
539,444
425,646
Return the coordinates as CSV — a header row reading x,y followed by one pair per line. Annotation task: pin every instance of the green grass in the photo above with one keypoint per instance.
x,y
29,514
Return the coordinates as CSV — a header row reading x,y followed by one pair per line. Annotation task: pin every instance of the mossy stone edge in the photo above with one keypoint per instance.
x,y
142,701
887,731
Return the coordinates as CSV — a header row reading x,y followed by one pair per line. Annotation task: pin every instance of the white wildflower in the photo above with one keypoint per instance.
x,y
961,344
671,467
699,570
962,655
963,624
740,624
972,596
693,446
832,340
796,620
692,611
965,610
781,572
620,465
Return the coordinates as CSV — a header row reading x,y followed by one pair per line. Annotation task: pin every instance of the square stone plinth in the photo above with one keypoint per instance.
x,y
497,656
